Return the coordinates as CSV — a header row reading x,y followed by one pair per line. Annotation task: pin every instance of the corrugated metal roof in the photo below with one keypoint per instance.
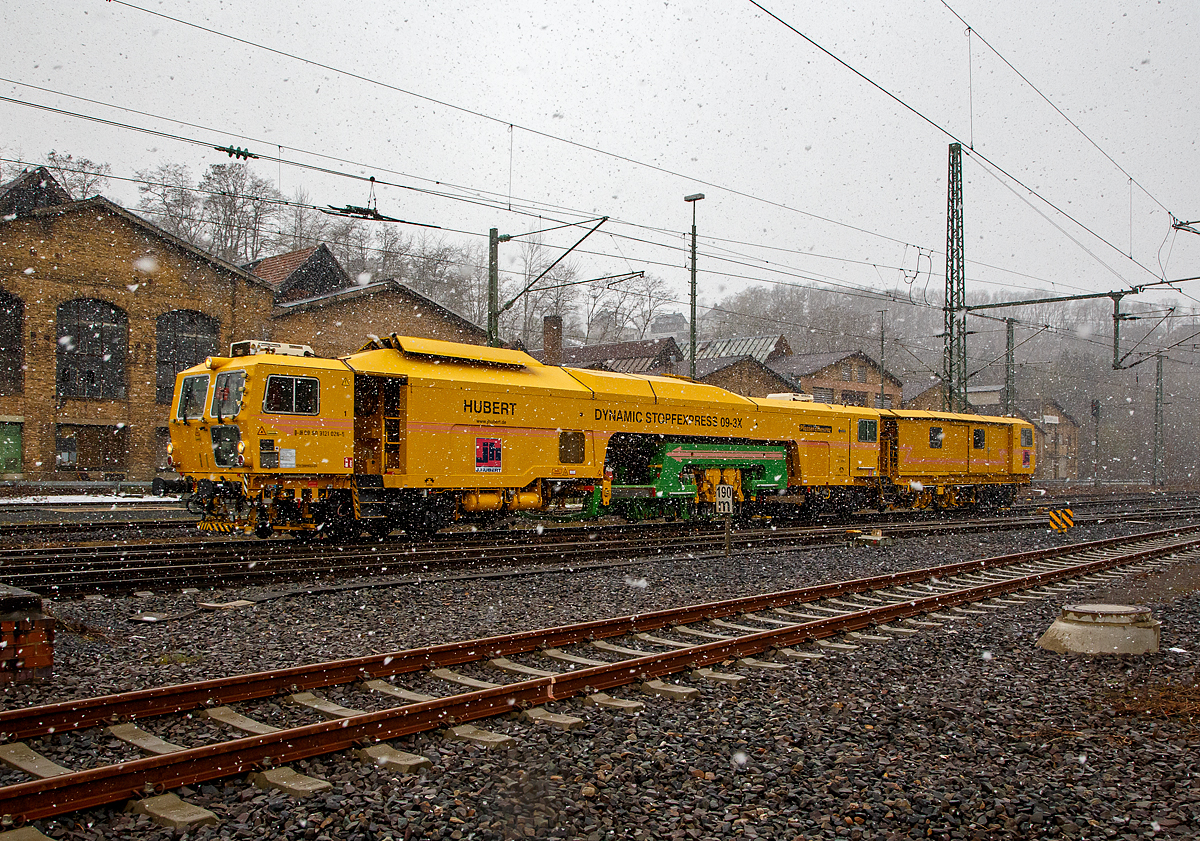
x,y
624,354
760,347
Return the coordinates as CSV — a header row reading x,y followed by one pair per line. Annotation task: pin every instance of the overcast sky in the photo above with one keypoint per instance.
x,y
582,109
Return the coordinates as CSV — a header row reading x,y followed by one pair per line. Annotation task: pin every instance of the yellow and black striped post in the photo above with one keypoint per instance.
x,y
1062,519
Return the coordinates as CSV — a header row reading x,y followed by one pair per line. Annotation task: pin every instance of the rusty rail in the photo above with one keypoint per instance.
x,y
99,786
74,715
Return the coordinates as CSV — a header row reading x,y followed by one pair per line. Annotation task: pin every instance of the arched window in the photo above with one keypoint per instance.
x,y
184,338
12,346
93,341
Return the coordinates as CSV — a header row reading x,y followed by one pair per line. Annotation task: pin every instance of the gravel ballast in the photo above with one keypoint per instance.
x,y
964,731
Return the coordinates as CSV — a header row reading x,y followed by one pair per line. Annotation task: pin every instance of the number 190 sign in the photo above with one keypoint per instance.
x,y
487,455
724,499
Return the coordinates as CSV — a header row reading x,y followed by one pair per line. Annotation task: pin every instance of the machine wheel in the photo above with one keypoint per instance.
x,y
379,528
430,514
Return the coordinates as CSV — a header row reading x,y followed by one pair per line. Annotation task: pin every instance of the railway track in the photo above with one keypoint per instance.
x,y
630,650
48,520
128,567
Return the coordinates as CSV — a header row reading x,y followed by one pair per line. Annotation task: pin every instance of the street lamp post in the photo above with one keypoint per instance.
x,y
692,199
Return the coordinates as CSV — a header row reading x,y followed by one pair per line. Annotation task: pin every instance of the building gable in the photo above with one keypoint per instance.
x,y
339,322
303,274
742,375
29,191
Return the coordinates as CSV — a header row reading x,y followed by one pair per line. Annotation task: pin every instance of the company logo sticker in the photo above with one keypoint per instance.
x,y
487,455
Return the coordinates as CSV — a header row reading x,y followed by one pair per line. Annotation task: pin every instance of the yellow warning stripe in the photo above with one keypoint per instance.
x,y
1062,519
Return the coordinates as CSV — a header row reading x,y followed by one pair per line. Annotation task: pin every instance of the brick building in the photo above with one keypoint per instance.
x,y
742,375
848,379
98,311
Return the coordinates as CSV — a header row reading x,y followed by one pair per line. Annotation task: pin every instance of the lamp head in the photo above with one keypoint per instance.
x,y
694,197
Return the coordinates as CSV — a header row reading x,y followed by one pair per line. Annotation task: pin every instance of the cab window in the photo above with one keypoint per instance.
x,y
868,430
191,397
292,395
227,396
1026,437
935,437
980,436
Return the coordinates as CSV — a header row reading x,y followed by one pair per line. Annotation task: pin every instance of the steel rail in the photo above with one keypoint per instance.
x,y
174,568
238,548
77,714
99,786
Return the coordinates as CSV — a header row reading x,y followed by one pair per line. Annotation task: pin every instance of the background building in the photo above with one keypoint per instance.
x,y
848,379
100,309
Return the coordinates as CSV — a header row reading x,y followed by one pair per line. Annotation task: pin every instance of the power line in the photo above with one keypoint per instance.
x,y
507,124
792,274
1047,100
947,133
497,201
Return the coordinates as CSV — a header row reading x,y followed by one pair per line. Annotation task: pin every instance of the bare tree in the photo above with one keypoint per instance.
x,y
606,311
431,263
474,284
650,296
238,206
80,177
554,294
300,226
351,242
393,251
169,197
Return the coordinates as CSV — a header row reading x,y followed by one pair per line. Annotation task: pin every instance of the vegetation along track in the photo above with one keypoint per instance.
x,y
697,636
128,567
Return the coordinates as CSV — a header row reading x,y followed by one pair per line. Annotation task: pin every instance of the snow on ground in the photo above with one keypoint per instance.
x,y
66,499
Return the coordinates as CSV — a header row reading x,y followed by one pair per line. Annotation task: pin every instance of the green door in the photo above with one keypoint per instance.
x,y
10,448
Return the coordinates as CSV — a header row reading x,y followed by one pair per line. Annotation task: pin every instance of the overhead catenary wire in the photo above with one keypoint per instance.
x,y
870,295
497,203
508,124
534,131
790,275
945,131
1060,112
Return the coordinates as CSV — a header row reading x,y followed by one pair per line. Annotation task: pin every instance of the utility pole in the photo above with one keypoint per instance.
x,y
1010,370
954,357
1096,443
692,199
493,324
1160,456
882,376
1118,317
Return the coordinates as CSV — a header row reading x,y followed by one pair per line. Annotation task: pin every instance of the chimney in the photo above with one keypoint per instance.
x,y
552,351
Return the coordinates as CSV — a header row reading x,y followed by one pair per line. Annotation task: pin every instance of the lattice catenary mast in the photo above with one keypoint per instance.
x,y
954,357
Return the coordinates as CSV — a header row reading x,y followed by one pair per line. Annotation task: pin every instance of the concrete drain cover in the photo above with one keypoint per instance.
x,y
1102,629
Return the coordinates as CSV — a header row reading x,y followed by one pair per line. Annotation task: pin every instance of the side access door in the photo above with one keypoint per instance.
x,y
380,424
